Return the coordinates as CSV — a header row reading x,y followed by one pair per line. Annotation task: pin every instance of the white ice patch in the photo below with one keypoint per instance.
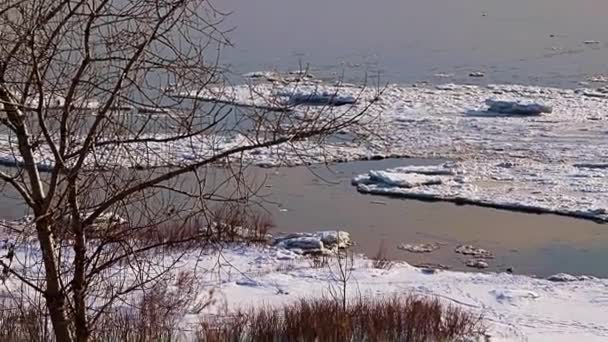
x,y
419,247
323,242
506,185
517,107
296,97
530,163
402,180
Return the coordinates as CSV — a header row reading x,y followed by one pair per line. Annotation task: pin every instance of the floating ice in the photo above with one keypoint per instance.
x,y
512,186
443,75
477,263
403,180
473,251
314,98
419,247
599,79
517,107
424,121
324,242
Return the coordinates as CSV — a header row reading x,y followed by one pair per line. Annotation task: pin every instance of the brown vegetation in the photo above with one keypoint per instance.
x,y
396,319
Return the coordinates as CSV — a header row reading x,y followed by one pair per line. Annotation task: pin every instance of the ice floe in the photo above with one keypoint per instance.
x,y
517,107
473,251
544,153
503,185
419,247
321,242
324,98
477,263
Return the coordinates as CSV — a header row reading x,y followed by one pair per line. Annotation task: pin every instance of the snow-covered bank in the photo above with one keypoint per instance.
x,y
517,308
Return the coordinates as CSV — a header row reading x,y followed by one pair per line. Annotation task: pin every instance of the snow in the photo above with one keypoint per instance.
x,y
516,308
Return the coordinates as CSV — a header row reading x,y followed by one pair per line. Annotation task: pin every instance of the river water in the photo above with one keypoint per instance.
x,y
539,42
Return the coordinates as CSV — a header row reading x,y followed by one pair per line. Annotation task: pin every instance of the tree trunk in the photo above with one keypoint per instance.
x,y
55,298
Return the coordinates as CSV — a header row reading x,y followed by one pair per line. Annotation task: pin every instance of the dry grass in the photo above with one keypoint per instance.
x,y
381,260
410,319
414,319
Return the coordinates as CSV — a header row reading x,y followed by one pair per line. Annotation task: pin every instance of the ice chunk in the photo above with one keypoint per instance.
x,y
562,278
248,282
305,243
446,169
473,251
419,247
403,180
517,107
477,263
316,98
327,241
443,75
267,75
598,79
334,238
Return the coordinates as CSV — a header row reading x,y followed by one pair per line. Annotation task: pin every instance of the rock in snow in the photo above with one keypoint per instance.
x,y
517,107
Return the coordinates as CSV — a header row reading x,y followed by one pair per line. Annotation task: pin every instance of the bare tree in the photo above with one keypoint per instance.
x,y
104,153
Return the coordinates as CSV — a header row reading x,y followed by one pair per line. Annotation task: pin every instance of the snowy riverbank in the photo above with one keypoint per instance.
x,y
514,307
